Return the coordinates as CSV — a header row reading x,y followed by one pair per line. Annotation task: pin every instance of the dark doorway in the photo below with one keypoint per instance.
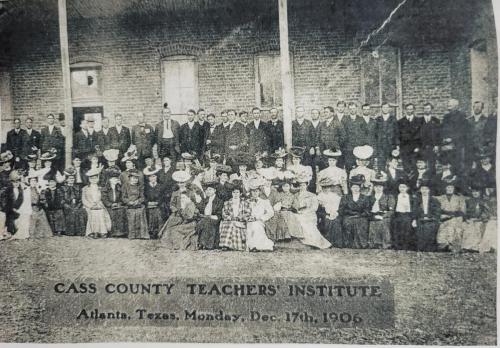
x,y
79,114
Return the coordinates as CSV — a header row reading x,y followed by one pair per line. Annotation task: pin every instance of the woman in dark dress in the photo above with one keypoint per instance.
x,y
53,198
211,214
403,222
75,215
427,212
381,208
354,209
152,198
112,200
133,198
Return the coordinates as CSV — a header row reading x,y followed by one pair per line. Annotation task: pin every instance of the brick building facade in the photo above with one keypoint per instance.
x,y
433,60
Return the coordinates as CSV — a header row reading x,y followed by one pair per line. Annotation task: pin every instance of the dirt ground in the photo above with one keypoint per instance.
x,y
440,298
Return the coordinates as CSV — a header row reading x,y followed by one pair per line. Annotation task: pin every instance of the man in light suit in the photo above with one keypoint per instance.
x,y
167,135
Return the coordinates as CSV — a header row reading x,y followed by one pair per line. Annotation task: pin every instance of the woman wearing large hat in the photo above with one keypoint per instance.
x,y
354,210
179,231
363,155
403,221
381,210
261,212
306,204
75,215
210,217
112,199
338,175
329,201
296,153
133,199
99,221
39,225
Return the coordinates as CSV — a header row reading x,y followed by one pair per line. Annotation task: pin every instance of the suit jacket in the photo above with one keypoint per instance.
x,y
191,139
143,138
367,132
387,135
476,135
257,137
52,140
85,144
16,142
351,133
33,139
236,136
104,140
107,195
214,139
454,126
205,126
430,133
120,141
415,181
302,134
393,181
409,133
275,135
330,135
433,208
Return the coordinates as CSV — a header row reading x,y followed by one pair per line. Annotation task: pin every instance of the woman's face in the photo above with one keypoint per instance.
x,y
424,190
296,161
148,161
129,165
134,180
94,179
332,162
255,193
259,164
47,164
94,161
152,179
476,193
16,183
52,183
32,164
279,163
355,188
286,187
450,189
77,162
70,180
223,177
167,162
242,169
378,189
403,188
33,182
236,194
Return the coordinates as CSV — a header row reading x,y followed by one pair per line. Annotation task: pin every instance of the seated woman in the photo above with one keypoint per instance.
x,y
211,214
296,167
449,237
427,214
112,199
403,222
306,204
179,231
98,222
382,208
261,211
287,223
235,214
75,215
329,199
334,173
477,213
133,199
354,210
489,240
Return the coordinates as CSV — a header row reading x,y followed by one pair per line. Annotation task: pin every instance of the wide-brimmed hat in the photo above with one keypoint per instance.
x,y
297,151
449,180
130,154
93,172
332,153
327,182
32,157
151,170
111,154
6,156
70,171
380,178
357,179
134,172
181,176
256,182
48,156
280,153
222,168
187,156
363,152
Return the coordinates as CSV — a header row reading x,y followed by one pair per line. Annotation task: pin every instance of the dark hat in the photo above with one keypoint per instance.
x,y
151,170
222,168
48,156
485,154
134,172
449,180
297,151
426,183
70,171
357,179
113,172
212,184
380,178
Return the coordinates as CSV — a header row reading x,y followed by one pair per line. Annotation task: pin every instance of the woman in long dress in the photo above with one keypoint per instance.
x,y
152,200
382,208
489,240
179,231
99,221
404,219
75,215
476,217
329,201
112,200
306,204
288,224
38,225
211,215
261,211
449,237
133,199
235,215
23,221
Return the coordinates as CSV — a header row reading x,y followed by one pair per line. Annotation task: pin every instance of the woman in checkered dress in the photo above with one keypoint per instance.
x,y
235,214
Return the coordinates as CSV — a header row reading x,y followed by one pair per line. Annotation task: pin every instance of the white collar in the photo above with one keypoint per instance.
x,y
410,118
386,116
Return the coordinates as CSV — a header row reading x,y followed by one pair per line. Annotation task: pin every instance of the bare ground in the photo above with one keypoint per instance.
x,y
440,298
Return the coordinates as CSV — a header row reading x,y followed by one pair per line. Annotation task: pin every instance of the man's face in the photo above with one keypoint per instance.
x,y
105,123
231,115
274,114
353,109
378,188
410,110
50,120
210,191
244,117
77,162
341,108
29,123
202,115
17,123
211,120
424,190
129,165
385,109
421,164
366,111
452,105
70,180
190,116
90,124
315,115
300,112
118,120
166,114
427,110
167,162
485,161
478,108
224,117
450,189
256,114
83,124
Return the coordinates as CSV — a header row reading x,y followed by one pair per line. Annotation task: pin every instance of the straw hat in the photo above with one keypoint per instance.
x,y
111,155
363,152
357,179
93,172
332,153
181,176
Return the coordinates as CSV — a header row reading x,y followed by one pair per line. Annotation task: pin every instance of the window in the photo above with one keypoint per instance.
x,y
268,87
381,77
180,75
86,84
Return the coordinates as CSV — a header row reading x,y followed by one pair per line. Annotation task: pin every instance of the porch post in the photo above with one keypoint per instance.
x,y
286,74
68,111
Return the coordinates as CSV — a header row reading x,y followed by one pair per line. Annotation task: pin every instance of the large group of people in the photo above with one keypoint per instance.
x,y
352,178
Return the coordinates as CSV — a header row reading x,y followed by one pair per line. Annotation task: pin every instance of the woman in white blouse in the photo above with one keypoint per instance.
x,y
403,222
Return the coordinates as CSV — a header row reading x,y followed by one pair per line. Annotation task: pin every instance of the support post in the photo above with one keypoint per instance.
x,y
286,74
68,111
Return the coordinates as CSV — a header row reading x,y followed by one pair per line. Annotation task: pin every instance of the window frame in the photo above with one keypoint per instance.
x,y
86,102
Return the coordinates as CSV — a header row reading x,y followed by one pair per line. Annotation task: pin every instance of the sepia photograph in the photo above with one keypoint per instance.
x,y
248,171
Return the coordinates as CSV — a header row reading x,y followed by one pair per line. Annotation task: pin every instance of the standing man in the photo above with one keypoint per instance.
x,y
143,137
167,135
120,136
316,123
409,137
303,134
190,135
243,117
214,138
257,134
351,126
367,128
103,138
453,133
17,140
430,136
236,136
85,142
275,131
52,138
476,135
202,121
331,133
34,137
387,134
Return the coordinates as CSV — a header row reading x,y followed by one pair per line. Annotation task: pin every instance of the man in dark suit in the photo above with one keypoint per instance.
x,y
201,118
214,137
331,132
303,134
103,137
236,136
454,132
52,137
120,136
84,143
275,132
143,137
387,134
476,135
351,127
190,135
34,137
210,209
409,137
16,141
167,135
367,128
257,134
430,136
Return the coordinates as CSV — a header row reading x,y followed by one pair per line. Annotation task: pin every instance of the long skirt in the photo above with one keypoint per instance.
x,y
39,225
257,238
231,236
177,234
75,220
155,221
137,224
333,232
355,230
489,240
450,234
98,222
403,233
119,222
275,230
312,236
472,234
56,220
289,222
379,234
22,224
208,233
426,232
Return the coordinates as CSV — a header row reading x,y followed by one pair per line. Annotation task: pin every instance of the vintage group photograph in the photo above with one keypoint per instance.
x,y
332,139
